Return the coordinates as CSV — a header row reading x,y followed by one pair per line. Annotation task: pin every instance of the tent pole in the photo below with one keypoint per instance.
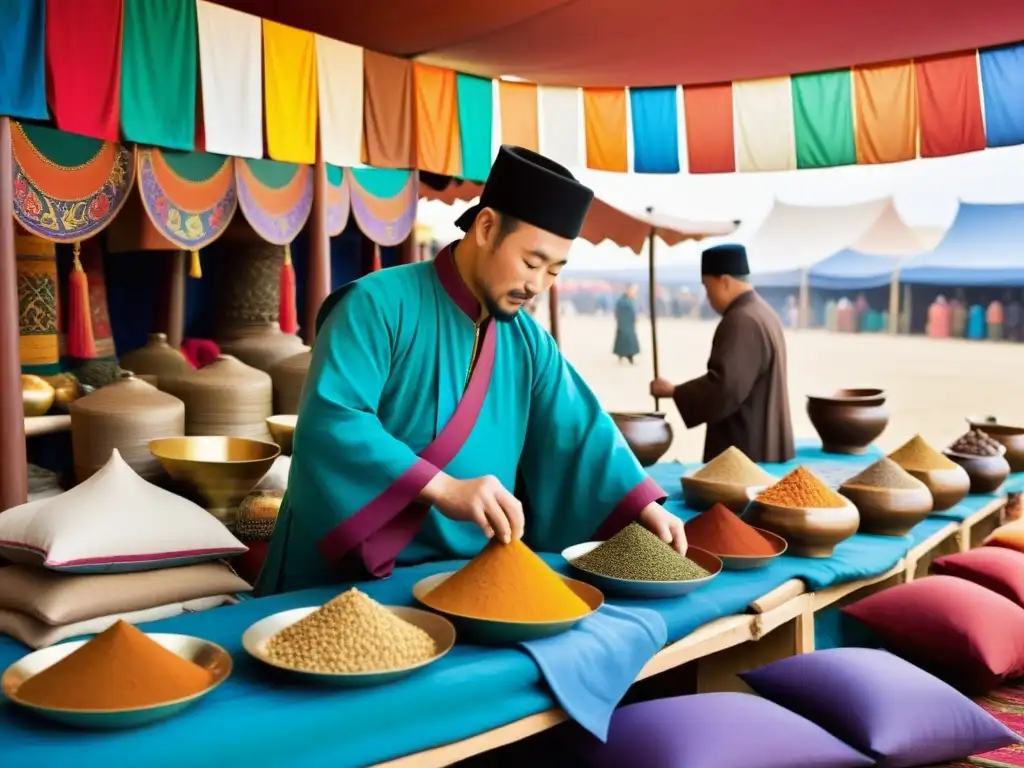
x,y
894,303
652,296
553,313
804,301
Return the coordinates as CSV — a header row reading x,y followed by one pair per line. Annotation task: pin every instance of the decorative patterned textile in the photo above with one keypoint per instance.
x,y
276,198
38,303
339,200
384,202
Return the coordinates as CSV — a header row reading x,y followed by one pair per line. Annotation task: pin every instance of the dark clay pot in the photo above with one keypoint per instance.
x,y
647,434
1011,437
849,420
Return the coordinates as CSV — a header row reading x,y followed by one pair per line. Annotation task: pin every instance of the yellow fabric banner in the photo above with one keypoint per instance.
x,y
290,92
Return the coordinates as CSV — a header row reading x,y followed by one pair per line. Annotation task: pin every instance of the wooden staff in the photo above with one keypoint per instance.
x,y
652,304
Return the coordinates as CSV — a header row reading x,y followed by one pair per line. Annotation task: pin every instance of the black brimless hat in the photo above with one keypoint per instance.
x,y
535,190
728,259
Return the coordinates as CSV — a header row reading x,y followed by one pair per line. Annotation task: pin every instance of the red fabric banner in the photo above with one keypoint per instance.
x,y
83,57
949,104
709,128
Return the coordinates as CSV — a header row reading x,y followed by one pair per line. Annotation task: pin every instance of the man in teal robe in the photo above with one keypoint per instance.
x,y
436,415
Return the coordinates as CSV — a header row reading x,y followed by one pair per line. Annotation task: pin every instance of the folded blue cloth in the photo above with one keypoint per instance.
x,y
590,667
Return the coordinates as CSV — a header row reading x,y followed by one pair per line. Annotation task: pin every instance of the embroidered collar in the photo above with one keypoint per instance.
x,y
453,284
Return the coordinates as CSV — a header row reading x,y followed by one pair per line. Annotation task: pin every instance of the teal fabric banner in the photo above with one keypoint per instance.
x,y
23,59
476,114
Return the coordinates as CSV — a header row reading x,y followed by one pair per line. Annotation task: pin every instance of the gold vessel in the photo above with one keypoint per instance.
x,y
37,395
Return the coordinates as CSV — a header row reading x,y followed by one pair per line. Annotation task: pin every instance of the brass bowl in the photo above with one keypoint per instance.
x,y
37,395
948,487
850,420
809,532
889,511
986,473
65,388
1011,437
648,435
282,429
701,495
221,469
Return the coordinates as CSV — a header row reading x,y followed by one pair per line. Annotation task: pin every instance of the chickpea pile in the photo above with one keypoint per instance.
x,y
352,633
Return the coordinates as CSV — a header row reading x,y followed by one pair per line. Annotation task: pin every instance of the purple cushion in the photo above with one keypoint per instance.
x,y
718,730
881,705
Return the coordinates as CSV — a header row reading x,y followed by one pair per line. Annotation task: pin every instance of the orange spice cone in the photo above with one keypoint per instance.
x,y
80,342
195,269
288,314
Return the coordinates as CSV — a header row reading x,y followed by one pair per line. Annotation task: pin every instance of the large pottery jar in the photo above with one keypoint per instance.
x,y
125,415
226,398
289,376
849,420
648,435
157,358
249,305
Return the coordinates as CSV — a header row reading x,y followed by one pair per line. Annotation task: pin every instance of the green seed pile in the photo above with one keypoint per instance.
x,y
885,473
352,633
636,554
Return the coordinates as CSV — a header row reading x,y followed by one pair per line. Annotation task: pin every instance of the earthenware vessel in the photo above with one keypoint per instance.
x,y
156,358
810,532
289,376
986,473
700,494
648,435
849,420
947,486
226,397
1011,437
889,511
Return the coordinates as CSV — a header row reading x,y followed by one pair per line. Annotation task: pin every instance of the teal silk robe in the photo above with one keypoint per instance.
x,y
390,401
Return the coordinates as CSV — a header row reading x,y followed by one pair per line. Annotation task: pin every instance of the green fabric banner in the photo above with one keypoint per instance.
x,y
158,73
476,113
823,119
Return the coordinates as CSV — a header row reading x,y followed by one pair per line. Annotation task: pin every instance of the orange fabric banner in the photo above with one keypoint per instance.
x,y
604,120
519,124
885,124
387,111
710,145
949,102
438,147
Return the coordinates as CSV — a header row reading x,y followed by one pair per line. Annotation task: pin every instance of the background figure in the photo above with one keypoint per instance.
x,y
994,319
1014,318
626,344
939,318
976,322
792,318
958,313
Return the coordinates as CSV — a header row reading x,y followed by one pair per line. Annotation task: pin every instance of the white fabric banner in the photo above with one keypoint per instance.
x,y
339,76
231,70
561,125
765,136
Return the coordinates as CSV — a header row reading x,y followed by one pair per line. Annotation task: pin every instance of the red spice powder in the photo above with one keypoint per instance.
x,y
720,532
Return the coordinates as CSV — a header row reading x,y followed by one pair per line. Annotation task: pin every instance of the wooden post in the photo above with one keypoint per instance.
x,y
804,302
553,313
894,303
318,267
652,300
407,250
174,325
13,461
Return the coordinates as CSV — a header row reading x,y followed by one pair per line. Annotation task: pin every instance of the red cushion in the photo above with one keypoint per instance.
x,y
995,568
963,633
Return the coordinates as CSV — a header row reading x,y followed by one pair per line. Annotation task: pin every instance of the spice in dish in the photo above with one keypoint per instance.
x,y
801,489
720,532
352,633
119,668
917,455
507,582
733,466
887,474
636,554
976,443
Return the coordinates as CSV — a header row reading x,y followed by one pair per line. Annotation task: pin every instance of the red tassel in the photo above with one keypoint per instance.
x,y
81,344
376,267
288,314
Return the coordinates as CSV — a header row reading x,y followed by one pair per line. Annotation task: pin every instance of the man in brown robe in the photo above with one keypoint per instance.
x,y
743,398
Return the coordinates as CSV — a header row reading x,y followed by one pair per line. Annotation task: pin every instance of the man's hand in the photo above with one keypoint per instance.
x,y
663,524
662,388
483,501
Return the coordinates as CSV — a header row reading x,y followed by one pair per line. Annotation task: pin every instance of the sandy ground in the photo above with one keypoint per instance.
x,y
932,384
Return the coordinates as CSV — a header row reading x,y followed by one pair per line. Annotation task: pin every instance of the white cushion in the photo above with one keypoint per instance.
x,y
113,522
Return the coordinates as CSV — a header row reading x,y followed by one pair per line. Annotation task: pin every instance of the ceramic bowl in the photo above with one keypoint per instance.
x,y
700,494
648,590
752,562
848,420
809,532
492,632
1011,437
255,639
948,487
282,429
986,473
889,511
648,435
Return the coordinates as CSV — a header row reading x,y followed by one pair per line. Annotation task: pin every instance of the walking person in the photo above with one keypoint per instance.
x,y
626,345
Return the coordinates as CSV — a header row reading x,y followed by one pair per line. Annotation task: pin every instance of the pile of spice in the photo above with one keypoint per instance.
x,y
917,455
885,473
733,466
976,443
507,582
801,489
120,668
350,634
636,554
721,532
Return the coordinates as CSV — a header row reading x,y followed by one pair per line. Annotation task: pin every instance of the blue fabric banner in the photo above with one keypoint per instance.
x,y
1002,82
23,59
655,129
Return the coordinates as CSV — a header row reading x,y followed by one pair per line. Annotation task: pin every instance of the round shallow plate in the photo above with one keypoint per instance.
x,y
202,652
491,632
750,562
644,589
256,637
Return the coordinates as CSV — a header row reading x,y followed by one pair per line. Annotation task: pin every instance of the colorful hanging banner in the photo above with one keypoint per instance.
x,y
189,196
383,202
655,129
764,125
289,81
561,117
38,305
604,124
709,128
68,187
823,119
518,109
339,81
387,112
99,311
886,122
339,200
23,59
949,104
438,146
275,198
476,125
1002,83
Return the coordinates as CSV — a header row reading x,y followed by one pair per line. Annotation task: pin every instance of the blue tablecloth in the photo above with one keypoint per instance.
x,y
255,718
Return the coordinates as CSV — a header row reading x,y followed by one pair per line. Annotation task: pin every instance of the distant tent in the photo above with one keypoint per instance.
x,y
983,247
